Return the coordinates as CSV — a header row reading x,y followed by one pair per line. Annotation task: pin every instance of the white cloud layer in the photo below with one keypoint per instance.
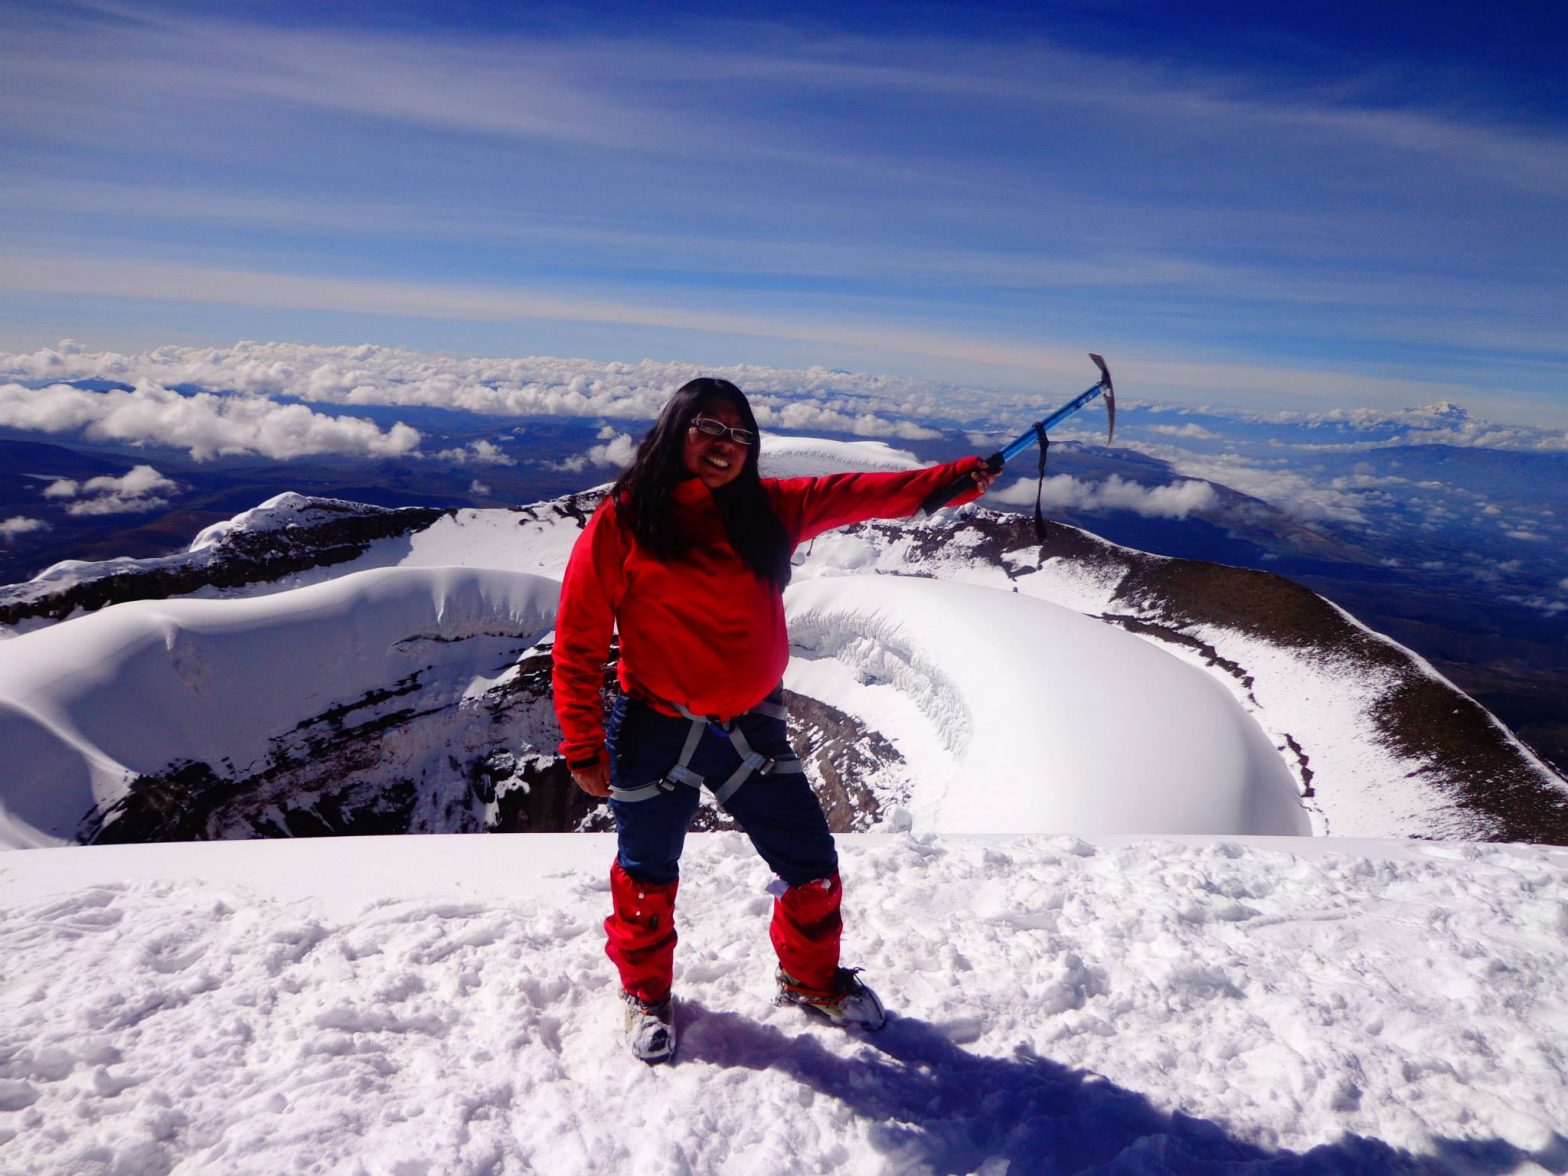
x,y
615,450
1439,423
1065,492
141,489
476,453
1190,430
18,525
206,424
1279,485
803,400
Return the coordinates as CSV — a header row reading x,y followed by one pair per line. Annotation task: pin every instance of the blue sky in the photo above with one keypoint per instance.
x,y
1277,209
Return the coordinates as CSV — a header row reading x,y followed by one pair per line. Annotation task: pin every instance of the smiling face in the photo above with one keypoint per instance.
x,y
717,461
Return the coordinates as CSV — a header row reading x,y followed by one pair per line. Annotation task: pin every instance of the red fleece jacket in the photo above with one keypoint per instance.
x,y
704,630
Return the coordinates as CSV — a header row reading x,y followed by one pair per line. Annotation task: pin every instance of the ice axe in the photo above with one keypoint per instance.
x,y
1033,434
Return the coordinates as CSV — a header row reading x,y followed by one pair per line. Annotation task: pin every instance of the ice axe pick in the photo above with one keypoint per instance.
x,y
1033,434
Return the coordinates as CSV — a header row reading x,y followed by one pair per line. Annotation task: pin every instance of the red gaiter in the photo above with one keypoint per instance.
x,y
641,932
806,930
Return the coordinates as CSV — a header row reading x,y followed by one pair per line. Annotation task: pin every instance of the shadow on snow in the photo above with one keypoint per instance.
x,y
935,1106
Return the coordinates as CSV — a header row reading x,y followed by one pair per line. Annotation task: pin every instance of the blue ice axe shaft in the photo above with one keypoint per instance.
x,y
940,498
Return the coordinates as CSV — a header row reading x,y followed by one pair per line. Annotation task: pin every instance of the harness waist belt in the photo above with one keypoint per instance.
x,y
751,762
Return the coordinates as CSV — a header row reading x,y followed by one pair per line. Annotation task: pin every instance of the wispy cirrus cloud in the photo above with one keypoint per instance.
x,y
665,92
160,56
952,203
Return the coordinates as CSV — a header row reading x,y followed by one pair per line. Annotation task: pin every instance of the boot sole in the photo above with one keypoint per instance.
x,y
818,1011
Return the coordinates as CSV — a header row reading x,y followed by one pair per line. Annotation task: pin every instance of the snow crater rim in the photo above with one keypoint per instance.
x,y
876,650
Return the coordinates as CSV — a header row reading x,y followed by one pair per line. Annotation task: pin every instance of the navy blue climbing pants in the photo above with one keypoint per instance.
x,y
779,812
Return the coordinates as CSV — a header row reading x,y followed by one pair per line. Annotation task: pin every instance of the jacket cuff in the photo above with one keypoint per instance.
x,y
962,466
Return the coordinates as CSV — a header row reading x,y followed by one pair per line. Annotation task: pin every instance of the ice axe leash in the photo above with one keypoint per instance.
x,y
1035,434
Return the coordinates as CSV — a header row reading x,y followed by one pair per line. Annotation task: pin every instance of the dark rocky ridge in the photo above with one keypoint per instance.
x,y
342,532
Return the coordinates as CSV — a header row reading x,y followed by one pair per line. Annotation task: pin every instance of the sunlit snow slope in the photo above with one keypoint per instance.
x,y
1037,718
87,705
1271,1007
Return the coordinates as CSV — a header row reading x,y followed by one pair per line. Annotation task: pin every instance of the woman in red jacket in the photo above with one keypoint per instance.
x,y
688,558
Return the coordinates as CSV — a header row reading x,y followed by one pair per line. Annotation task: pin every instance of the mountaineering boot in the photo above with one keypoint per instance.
x,y
847,1002
650,1028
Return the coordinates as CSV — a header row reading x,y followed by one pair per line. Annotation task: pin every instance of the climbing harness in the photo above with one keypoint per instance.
x,y
751,762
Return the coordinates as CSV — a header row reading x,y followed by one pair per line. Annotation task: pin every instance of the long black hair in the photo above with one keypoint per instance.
x,y
646,490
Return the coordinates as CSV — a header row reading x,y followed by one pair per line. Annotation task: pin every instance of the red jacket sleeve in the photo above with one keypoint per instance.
x,y
584,623
809,506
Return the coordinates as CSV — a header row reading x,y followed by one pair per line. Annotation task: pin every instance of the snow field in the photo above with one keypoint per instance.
x,y
87,705
1362,785
1147,1006
1051,722
795,457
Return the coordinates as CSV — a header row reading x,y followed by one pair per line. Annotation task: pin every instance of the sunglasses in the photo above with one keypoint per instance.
x,y
709,427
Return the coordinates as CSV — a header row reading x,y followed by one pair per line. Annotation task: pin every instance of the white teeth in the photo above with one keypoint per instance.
x,y
723,465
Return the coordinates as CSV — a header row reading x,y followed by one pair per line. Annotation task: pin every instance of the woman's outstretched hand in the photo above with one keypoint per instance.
x,y
984,475
594,779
